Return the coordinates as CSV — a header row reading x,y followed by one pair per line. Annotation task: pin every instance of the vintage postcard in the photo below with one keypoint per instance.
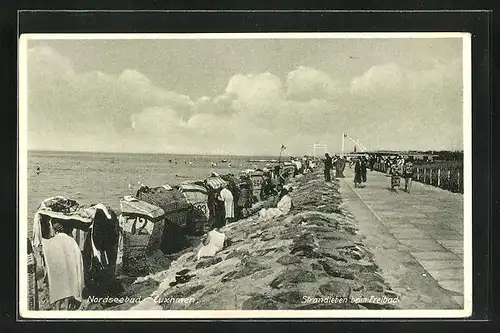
x,y
290,175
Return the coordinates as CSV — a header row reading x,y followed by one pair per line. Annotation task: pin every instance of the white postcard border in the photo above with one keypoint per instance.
x,y
25,314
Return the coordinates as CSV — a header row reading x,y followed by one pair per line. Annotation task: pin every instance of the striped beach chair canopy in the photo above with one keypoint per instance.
x,y
193,182
197,196
68,212
215,182
193,193
135,207
65,210
81,215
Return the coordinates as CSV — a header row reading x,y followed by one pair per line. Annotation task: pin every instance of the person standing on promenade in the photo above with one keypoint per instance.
x,y
396,172
408,174
328,167
364,163
339,167
371,161
335,159
388,165
357,173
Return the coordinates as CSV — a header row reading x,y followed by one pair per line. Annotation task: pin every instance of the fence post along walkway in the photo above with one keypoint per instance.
x,y
422,233
446,177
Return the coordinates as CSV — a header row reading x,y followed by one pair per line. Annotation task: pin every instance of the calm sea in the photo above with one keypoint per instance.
x,y
91,178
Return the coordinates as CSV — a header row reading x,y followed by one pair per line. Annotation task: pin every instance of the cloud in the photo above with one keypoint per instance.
x,y
255,114
422,107
61,97
379,79
389,79
249,87
306,83
219,105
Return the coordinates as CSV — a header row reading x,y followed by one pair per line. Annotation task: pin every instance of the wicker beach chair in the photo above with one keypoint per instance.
x,y
32,280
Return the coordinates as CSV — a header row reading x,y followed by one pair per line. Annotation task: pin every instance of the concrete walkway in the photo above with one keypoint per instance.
x,y
417,238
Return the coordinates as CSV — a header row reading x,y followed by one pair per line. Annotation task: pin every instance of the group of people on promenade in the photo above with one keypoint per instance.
x,y
396,167
360,172
337,161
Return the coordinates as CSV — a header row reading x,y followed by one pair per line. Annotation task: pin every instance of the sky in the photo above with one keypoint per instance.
x,y
244,96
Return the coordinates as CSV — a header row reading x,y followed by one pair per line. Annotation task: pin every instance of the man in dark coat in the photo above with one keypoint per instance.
x,y
328,166
363,169
357,173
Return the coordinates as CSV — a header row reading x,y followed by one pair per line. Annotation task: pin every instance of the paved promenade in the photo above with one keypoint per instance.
x,y
417,238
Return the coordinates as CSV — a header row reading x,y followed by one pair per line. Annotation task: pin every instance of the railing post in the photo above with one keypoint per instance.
x,y
458,181
430,176
423,179
418,174
439,177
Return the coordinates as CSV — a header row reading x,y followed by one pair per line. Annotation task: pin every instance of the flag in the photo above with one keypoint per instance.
x,y
345,135
283,146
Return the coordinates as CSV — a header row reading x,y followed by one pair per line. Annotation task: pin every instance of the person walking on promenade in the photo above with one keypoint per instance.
x,y
339,167
363,169
335,158
357,173
328,167
372,161
396,172
388,165
408,174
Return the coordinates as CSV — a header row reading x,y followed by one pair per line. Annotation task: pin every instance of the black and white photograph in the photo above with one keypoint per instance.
x,y
245,175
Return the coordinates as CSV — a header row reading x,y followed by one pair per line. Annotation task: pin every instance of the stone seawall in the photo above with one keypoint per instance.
x,y
311,258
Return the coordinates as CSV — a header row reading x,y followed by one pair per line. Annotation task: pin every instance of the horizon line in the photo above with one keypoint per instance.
x,y
243,155
142,152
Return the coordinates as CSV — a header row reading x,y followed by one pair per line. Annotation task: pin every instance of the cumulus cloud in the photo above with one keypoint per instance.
x,y
59,96
219,105
306,83
379,79
255,114
423,107
391,78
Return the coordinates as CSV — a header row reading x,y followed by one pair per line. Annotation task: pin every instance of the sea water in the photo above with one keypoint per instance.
x,y
91,178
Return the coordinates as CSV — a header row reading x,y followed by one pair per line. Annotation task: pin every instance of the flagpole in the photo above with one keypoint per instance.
x,y
281,151
343,142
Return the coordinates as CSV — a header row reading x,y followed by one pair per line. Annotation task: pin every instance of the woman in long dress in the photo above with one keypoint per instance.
x,y
357,173
227,197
